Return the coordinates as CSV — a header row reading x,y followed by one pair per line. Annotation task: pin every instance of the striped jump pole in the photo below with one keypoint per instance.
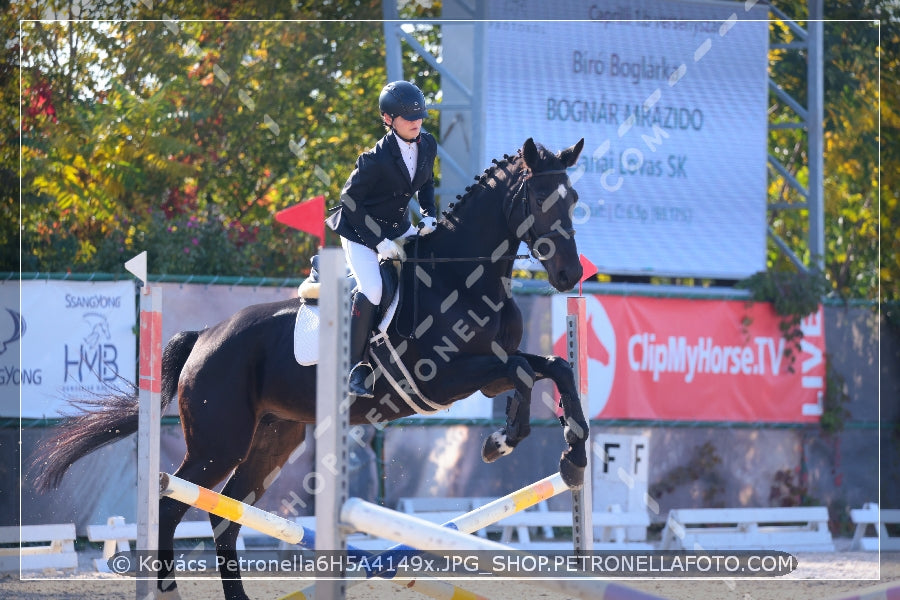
x,y
511,504
235,510
402,528
469,522
286,531
427,586
399,527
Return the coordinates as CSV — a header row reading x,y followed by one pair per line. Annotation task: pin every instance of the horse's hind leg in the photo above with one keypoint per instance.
x,y
205,473
215,446
273,442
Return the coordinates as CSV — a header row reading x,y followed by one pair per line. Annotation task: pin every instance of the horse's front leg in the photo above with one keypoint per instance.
x,y
492,374
518,424
573,461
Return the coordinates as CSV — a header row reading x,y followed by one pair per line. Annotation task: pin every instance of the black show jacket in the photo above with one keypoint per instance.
x,y
375,199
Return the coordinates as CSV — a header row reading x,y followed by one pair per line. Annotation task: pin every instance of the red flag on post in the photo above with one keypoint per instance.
x,y
588,269
308,216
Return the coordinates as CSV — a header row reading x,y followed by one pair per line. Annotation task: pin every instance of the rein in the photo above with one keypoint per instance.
x,y
530,239
459,258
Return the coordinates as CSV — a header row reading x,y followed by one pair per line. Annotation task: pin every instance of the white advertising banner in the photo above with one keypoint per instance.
x,y
671,98
67,339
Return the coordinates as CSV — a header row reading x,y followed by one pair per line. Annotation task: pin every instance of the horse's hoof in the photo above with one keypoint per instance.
x,y
494,447
572,475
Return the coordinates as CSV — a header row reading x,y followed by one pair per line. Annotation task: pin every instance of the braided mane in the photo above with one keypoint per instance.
x,y
483,182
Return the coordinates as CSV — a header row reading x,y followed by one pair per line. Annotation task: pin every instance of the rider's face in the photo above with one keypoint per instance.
x,y
406,129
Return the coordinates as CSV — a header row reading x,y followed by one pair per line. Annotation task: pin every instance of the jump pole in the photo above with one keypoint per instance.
x,y
235,510
284,530
294,533
469,522
400,527
149,385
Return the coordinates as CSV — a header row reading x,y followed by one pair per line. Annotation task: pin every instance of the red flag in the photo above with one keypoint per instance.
x,y
588,269
308,216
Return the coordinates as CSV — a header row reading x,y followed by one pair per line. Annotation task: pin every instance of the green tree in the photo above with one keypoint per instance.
x,y
851,153
185,137
9,142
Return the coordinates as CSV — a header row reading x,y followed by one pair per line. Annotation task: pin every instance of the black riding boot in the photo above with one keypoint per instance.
x,y
362,319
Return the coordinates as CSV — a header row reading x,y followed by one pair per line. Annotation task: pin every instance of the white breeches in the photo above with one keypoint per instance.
x,y
363,263
364,266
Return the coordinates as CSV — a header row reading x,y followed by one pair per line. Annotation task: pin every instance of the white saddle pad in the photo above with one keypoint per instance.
x,y
306,331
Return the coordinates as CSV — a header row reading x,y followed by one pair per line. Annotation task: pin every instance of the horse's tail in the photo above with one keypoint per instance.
x,y
104,419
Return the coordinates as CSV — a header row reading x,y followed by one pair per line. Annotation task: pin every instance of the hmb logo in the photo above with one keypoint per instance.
x,y
94,356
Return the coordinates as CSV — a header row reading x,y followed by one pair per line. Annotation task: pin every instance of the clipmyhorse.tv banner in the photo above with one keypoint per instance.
x,y
696,360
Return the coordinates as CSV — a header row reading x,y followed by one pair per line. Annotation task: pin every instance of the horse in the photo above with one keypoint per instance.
x,y
244,401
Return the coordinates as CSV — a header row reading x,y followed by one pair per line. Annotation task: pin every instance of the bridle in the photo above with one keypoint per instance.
x,y
524,230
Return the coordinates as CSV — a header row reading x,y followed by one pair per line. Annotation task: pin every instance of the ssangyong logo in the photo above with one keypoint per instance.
x,y
11,330
601,351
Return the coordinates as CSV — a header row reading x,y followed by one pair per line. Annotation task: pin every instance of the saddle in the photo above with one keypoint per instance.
x,y
387,359
390,279
306,347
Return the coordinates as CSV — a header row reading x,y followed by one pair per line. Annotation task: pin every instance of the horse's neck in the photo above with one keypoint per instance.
x,y
479,228
480,220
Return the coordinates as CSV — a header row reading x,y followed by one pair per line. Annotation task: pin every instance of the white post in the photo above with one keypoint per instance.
x,y
150,381
582,500
332,413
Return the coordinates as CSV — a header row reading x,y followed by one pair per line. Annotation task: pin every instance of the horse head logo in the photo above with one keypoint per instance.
x,y
601,353
15,333
98,329
595,347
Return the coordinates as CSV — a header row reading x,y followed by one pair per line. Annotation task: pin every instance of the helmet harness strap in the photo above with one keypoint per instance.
x,y
416,139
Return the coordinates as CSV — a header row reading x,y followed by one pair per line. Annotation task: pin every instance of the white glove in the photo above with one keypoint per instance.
x,y
427,225
388,249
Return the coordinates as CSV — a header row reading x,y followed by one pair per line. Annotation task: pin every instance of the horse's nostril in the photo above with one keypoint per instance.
x,y
569,277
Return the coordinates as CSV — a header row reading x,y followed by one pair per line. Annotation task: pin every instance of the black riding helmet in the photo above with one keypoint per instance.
x,y
404,99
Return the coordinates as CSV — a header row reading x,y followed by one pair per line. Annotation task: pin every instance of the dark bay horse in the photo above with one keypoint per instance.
x,y
244,402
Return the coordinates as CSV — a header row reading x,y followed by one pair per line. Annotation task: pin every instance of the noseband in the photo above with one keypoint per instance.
x,y
530,236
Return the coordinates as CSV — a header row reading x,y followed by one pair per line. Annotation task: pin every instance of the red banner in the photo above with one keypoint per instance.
x,y
696,360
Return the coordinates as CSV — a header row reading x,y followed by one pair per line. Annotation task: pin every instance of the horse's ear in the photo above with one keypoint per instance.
x,y
570,155
530,153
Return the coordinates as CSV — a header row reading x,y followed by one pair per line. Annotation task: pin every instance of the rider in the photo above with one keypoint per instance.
x,y
374,210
